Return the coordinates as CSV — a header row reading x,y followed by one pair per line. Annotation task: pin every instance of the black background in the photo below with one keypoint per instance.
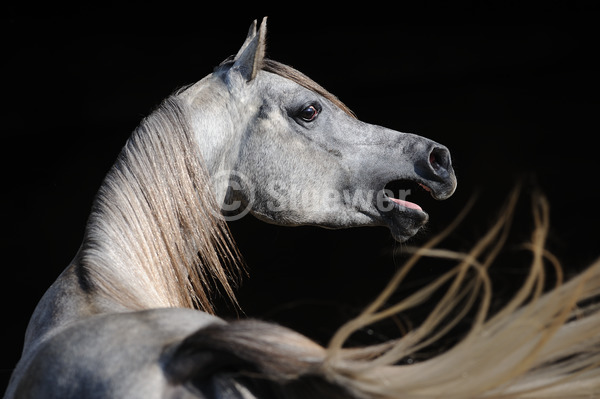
x,y
510,101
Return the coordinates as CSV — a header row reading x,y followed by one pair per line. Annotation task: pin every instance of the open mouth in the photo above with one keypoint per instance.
x,y
402,207
407,194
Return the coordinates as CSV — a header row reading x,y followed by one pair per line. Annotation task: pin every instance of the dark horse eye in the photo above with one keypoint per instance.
x,y
309,113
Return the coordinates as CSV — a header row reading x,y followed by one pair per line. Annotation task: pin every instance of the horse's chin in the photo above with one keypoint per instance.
x,y
404,222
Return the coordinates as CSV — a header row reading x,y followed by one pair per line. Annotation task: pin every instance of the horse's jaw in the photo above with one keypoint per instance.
x,y
403,219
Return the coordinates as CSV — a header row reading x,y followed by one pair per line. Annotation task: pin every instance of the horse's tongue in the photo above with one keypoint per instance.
x,y
406,204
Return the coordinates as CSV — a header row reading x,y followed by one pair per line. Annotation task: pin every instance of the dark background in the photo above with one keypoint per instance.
x,y
511,102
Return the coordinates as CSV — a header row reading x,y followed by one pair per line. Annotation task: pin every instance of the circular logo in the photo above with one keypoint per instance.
x,y
239,194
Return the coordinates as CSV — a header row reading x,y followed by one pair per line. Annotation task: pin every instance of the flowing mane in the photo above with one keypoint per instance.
x,y
117,322
156,220
154,237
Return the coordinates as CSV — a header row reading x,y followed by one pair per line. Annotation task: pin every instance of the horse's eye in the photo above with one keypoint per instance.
x,y
309,113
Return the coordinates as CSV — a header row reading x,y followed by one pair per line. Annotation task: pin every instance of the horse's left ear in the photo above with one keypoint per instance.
x,y
249,58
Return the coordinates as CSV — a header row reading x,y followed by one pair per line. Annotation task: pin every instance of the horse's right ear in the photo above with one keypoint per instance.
x,y
249,58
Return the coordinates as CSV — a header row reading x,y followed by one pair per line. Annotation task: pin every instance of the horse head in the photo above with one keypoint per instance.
x,y
300,157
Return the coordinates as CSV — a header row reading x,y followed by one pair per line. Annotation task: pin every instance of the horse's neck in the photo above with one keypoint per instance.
x,y
153,216
216,120
154,238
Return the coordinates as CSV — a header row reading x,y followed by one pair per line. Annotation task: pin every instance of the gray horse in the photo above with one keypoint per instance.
x,y
131,316
252,135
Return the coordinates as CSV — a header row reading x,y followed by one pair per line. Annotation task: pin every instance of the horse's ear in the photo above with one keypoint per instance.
x,y
249,58
251,34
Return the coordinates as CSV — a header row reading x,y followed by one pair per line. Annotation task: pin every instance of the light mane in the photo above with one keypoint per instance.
x,y
154,237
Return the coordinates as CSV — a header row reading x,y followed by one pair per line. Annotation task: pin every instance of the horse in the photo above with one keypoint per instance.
x,y
132,316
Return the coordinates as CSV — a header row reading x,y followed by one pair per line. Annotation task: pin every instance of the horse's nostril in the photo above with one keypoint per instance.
x,y
433,161
439,159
